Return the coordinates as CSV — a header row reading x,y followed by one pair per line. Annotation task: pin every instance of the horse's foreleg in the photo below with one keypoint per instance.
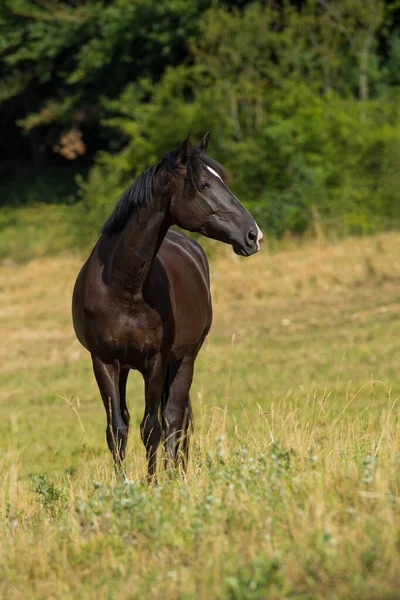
x,y
177,413
108,380
150,427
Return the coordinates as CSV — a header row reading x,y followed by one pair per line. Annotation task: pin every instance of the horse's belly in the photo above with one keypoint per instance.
x,y
192,323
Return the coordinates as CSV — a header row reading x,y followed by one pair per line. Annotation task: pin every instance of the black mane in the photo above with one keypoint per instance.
x,y
139,193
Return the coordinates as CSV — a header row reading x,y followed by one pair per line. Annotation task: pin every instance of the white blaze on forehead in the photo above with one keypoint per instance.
x,y
260,236
213,172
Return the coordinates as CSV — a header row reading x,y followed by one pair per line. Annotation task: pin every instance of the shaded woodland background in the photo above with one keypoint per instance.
x,y
301,97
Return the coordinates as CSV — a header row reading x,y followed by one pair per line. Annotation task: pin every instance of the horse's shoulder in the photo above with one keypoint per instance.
x,y
181,242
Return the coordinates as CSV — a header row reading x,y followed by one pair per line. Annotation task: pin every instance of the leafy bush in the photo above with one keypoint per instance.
x,y
302,103
296,146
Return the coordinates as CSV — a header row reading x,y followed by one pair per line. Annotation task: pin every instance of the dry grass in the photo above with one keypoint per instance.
x,y
293,490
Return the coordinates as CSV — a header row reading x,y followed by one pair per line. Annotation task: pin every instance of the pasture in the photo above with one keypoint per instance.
x,y
293,485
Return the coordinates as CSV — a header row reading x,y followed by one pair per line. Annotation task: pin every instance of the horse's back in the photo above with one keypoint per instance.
x,y
186,245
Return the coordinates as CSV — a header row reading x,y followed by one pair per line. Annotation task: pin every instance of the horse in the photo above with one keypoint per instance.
x,y
142,299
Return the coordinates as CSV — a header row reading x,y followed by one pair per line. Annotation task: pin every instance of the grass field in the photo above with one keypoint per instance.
x,y
293,488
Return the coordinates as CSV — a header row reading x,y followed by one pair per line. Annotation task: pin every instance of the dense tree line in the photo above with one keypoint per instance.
x,y
302,99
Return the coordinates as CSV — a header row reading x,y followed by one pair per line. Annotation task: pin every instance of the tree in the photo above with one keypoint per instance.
x,y
58,59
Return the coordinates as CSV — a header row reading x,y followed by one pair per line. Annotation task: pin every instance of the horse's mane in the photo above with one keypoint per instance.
x,y
139,193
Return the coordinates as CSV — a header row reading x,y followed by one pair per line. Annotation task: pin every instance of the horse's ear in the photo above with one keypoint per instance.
x,y
183,153
203,146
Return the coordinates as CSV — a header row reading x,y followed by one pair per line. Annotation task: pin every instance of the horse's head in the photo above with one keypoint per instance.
x,y
202,201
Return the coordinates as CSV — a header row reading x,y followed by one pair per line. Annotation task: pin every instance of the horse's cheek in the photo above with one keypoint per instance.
x,y
202,214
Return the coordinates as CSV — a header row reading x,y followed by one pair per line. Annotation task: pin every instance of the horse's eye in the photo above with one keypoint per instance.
x,y
204,185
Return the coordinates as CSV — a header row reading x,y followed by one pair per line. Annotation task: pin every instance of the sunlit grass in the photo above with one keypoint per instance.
x,y
293,487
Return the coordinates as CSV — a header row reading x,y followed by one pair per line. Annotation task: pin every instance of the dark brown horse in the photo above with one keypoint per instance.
x,y
142,299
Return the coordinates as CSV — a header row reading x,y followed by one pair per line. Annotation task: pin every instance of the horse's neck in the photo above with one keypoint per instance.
x,y
138,244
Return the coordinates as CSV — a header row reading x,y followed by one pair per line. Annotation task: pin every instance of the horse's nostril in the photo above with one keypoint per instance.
x,y
252,236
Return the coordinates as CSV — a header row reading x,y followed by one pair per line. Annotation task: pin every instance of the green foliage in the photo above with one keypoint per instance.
x,y
87,50
52,498
274,88
303,103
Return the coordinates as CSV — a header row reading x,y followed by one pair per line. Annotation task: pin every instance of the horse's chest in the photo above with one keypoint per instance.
x,y
131,339
138,340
